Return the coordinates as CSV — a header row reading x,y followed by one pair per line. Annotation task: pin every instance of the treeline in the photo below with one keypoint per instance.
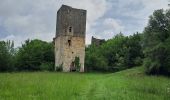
x,y
150,49
33,55
119,53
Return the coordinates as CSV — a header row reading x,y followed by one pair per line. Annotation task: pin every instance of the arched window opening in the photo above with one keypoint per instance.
x,y
69,42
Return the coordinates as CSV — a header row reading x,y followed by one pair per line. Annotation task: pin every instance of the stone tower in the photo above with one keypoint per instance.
x,y
70,38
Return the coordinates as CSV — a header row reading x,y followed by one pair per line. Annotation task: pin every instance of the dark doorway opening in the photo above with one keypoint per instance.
x,y
72,67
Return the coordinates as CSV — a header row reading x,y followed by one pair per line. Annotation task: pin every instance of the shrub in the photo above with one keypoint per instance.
x,y
77,63
59,68
47,66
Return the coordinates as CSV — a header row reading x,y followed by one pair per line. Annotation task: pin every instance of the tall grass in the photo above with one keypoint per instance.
x,y
126,85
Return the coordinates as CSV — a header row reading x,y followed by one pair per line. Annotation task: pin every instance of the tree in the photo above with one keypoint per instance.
x,y
134,53
156,43
120,52
94,60
35,55
6,56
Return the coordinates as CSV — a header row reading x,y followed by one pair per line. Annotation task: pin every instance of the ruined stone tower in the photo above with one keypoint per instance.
x,y
70,38
97,42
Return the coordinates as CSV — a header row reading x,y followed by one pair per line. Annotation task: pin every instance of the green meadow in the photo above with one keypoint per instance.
x,y
131,84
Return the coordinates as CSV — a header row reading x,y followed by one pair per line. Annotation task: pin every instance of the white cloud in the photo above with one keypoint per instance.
x,y
109,28
134,14
19,39
140,9
112,24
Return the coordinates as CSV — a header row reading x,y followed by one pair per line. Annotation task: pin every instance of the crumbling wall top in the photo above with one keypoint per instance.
x,y
71,21
96,41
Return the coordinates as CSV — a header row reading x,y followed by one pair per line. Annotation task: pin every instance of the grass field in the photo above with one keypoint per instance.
x,y
130,84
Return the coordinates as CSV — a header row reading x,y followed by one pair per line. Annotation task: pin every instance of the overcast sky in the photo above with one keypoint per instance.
x,y
36,19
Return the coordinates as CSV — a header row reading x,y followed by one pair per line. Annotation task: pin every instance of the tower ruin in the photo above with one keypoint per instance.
x,y
70,38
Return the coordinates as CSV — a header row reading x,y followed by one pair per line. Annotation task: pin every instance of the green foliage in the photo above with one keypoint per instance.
x,y
77,63
119,53
94,60
6,56
47,66
34,54
157,43
59,68
116,54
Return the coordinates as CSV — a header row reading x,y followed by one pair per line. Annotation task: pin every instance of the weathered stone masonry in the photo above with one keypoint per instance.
x,y
96,41
70,37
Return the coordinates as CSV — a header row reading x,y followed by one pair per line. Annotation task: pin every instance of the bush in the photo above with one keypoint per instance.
x,y
47,66
153,67
77,63
138,61
59,68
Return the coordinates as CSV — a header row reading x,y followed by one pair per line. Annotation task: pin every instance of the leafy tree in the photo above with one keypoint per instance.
x,y
157,43
94,60
134,53
120,52
6,56
35,55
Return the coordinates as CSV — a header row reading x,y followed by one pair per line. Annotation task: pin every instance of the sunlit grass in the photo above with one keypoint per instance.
x,y
130,84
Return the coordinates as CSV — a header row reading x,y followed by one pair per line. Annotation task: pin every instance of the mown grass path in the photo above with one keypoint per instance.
x,y
130,84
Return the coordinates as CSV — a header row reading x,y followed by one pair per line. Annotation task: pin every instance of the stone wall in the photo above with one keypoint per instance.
x,y
96,41
66,52
71,17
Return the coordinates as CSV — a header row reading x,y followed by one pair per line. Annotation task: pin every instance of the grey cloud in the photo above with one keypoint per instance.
x,y
134,14
23,19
